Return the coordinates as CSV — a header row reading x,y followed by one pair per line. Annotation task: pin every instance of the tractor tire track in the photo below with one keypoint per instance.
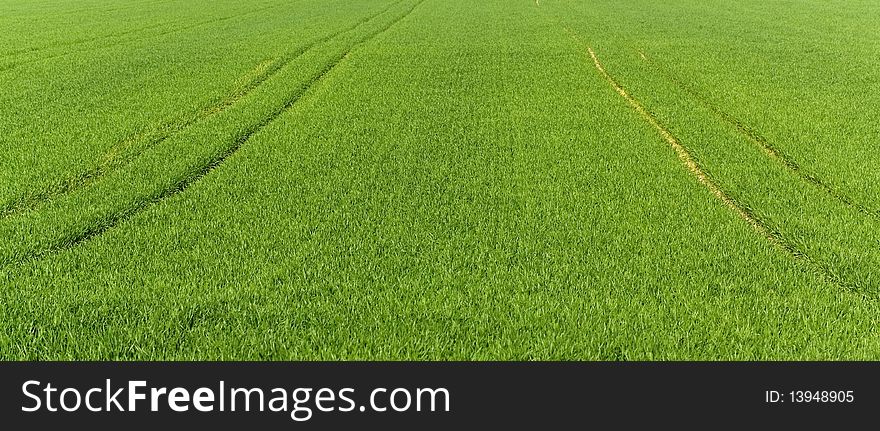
x,y
119,154
201,172
684,155
760,141
809,264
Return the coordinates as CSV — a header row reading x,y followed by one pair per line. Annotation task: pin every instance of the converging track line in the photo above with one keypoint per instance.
x,y
706,181
199,173
682,153
111,160
774,237
759,141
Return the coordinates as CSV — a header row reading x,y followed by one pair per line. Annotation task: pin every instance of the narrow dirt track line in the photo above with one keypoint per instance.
x,y
775,238
111,159
682,153
760,142
182,184
694,168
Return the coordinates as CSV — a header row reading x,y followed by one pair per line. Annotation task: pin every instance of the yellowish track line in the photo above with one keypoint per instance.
x,y
761,143
694,168
704,179
683,154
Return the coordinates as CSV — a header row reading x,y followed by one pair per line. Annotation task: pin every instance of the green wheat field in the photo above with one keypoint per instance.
x,y
439,179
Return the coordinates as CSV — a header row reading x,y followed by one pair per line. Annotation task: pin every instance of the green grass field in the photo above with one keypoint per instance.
x,y
427,179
